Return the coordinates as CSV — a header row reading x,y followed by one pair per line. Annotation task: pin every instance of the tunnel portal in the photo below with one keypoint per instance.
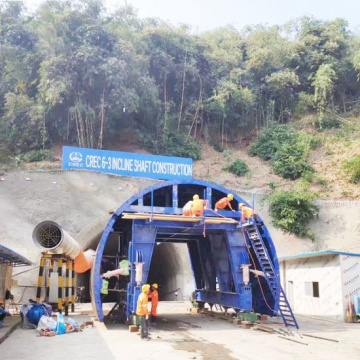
x,y
219,250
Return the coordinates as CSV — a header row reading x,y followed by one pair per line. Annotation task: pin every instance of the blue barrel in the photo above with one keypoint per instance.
x,y
35,313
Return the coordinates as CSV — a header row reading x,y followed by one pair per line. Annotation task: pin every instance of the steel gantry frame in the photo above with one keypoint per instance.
x,y
217,256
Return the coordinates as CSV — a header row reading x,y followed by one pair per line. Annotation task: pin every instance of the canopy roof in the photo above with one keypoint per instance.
x,y
10,257
317,253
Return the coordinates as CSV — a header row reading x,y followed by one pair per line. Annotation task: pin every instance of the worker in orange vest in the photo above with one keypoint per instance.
x,y
224,202
154,296
187,208
247,213
143,312
198,206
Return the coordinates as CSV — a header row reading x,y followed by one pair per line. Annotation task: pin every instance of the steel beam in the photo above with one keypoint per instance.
x,y
226,299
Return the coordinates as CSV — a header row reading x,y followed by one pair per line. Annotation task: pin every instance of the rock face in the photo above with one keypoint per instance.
x,y
80,202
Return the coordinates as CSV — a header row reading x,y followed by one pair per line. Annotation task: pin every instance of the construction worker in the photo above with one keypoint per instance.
x,y
104,289
124,264
224,202
142,311
188,205
154,296
198,206
247,213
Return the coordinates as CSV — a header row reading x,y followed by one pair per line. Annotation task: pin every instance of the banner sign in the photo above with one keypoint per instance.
x,y
127,164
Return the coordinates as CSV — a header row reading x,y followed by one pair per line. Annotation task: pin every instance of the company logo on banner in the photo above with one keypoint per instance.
x,y
127,164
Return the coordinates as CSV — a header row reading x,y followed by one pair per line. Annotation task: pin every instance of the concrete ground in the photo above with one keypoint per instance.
x,y
8,326
181,335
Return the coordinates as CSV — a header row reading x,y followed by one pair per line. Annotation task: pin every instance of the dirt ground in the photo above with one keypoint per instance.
x,y
181,335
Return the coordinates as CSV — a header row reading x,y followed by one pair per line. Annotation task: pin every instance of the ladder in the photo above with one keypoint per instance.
x,y
270,276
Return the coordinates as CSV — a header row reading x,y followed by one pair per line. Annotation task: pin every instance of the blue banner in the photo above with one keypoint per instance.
x,y
127,164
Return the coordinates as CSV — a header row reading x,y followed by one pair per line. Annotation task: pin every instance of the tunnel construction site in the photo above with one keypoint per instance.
x,y
215,257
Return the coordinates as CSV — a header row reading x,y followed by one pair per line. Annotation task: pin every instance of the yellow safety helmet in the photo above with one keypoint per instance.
x,y
155,285
196,197
241,205
145,288
230,197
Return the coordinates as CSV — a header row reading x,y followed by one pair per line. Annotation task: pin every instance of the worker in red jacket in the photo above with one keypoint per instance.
x,y
154,296
224,202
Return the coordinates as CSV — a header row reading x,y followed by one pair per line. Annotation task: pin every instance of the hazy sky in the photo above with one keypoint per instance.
x,y
209,14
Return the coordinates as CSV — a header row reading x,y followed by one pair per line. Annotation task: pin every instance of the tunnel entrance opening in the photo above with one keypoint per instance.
x,y
170,268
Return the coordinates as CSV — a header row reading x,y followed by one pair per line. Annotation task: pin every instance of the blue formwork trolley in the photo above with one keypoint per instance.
x,y
219,245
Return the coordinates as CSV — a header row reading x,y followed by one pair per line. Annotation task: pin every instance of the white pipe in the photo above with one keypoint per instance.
x,y
115,272
139,272
50,236
246,273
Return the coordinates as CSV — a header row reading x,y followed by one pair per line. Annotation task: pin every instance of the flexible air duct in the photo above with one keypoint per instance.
x,y
50,236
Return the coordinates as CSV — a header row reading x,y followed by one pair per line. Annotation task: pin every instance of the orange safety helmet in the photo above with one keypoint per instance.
x,y
155,285
196,197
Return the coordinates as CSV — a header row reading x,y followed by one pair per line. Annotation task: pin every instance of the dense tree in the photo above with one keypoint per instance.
x,y
73,72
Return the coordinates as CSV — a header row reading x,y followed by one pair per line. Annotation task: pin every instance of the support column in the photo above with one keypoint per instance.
x,y
209,196
221,261
49,271
67,285
40,279
142,246
60,285
175,204
238,256
72,286
207,263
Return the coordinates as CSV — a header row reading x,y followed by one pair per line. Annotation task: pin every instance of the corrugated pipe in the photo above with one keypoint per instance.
x,y
50,236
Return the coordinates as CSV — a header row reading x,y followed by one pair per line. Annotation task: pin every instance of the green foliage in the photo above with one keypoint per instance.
x,y
292,210
228,153
290,162
352,168
271,140
217,147
38,155
327,122
272,185
323,85
68,71
287,148
172,145
305,102
237,167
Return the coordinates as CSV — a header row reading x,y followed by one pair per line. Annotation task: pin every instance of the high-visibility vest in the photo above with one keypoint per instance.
x,y
247,213
124,264
105,287
197,207
142,303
